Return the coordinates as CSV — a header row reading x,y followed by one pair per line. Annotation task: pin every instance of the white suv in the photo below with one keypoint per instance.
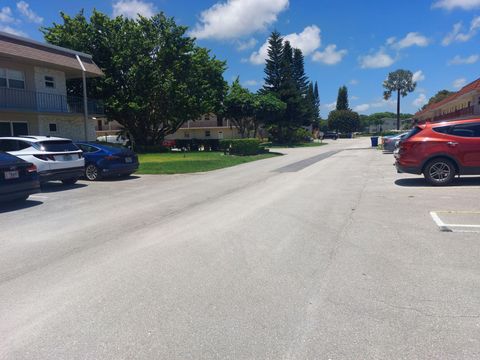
x,y
55,158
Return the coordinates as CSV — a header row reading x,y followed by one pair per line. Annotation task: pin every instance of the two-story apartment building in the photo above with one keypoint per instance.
x,y
207,127
33,93
463,104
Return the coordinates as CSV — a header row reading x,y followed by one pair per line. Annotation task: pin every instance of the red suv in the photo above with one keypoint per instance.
x,y
441,150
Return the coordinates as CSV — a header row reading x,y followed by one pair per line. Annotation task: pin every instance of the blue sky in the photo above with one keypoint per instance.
x,y
349,42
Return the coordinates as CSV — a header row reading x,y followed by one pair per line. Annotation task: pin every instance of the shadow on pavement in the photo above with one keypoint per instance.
x,y
52,187
120,178
18,205
420,182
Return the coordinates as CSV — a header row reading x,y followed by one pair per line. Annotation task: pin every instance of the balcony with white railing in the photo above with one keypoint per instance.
x,y
23,100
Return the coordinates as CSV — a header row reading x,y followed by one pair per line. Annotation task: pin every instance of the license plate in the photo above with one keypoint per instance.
x,y
9,175
64,157
128,160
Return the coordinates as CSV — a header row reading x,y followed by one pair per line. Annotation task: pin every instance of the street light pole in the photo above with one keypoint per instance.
x,y
85,99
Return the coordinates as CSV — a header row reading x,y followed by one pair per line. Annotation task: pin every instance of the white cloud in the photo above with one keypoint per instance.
x,y
378,60
132,8
452,4
308,41
6,15
235,18
418,76
330,55
10,30
353,97
331,106
420,101
457,35
459,83
382,103
411,39
24,9
246,45
251,83
458,60
361,107
354,82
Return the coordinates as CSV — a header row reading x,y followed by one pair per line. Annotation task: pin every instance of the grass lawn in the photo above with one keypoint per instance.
x,y
191,162
306,144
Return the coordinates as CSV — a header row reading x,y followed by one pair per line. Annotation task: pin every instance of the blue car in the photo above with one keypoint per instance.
x,y
18,178
106,161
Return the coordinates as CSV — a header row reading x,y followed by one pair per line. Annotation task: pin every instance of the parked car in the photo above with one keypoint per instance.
x,y
441,150
114,139
330,135
103,161
389,142
55,158
18,178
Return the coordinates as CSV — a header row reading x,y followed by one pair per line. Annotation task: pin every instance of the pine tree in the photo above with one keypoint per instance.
x,y
317,100
299,75
273,64
342,99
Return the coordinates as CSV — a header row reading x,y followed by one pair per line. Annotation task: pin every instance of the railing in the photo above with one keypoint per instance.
x,y
455,114
212,123
22,100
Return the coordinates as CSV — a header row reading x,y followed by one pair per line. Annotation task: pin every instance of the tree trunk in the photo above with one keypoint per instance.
x,y
398,109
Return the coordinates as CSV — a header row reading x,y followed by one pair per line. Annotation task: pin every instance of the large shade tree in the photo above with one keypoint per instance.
x,y
399,82
156,77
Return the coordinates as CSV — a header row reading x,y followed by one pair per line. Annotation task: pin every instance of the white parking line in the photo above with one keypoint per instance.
x,y
465,228
38,197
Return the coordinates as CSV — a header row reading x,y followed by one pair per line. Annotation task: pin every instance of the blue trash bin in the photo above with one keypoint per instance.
x,y
374,140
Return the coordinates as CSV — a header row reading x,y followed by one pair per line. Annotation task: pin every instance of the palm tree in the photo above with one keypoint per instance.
x,y
402,82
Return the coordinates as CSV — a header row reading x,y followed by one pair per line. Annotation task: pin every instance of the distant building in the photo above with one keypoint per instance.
x,y
207,127
463,104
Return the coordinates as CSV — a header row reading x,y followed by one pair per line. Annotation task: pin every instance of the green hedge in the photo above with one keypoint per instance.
x,y
242,146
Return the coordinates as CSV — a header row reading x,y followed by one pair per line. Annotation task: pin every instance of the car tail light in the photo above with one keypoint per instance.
x,y
112,158
32,169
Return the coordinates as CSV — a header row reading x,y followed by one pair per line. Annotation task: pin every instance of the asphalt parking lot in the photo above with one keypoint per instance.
x,y
323,253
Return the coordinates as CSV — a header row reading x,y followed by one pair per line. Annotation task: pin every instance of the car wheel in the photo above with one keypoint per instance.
x,y
69,181
92,173
439,172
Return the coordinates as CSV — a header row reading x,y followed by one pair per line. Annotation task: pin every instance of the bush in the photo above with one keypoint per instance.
x,y
242,146
301,135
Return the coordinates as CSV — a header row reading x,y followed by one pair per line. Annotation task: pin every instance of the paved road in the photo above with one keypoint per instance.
x,y
324,253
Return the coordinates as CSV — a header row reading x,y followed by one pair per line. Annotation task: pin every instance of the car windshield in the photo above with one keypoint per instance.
x,y
56,146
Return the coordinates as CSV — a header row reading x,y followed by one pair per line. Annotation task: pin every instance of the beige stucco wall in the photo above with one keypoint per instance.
x,y
60,82
71,127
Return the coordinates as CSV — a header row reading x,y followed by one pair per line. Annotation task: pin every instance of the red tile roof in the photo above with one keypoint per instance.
x,y
475,85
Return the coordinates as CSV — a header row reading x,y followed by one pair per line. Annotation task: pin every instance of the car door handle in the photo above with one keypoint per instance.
x,y
452,143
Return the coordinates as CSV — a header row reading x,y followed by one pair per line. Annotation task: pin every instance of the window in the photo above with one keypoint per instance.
x,y
19,128
207,133
443,129
8,128
12,78
8,145
16,79
87,148
56,146
187,135
3,77
206,117
50,82
52,127
466,130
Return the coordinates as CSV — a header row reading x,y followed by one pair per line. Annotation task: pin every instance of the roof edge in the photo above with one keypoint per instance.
x,y
50,46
